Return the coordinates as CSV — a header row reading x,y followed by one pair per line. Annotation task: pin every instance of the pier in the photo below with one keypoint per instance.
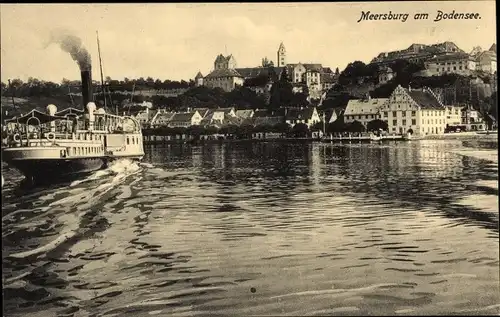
x,y
364,138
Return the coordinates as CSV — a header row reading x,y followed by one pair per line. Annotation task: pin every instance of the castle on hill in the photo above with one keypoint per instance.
x,y
227,76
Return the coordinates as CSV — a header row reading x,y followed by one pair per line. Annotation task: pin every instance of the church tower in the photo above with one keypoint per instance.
x,y
281,56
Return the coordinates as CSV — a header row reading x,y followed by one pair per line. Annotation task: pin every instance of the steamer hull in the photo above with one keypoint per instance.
x,y
52,169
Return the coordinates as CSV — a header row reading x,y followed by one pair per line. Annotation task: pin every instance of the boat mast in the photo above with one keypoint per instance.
x,y
12,94
100,67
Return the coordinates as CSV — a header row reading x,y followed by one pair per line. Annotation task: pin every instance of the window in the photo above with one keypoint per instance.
x,y
413,113
394,113
404,122
128,141
386,114
404,113
413,122
394,122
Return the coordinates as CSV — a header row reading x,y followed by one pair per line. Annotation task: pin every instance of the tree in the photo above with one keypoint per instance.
x,y
267,63
376,125
281,92
300,130
356,127
210,130
281,127
337,126
318,126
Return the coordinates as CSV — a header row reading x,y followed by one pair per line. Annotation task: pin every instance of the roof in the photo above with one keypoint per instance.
x,y
250,72
247,121
270,121
327,70
225,110
183,116
386,69
453,56
231,121
202,111
42,118
328,78
260,113
364,106
493,48
486,54
69,111
308,112
243,114
424,98
145,115
309,67
162,116
223,72
199,75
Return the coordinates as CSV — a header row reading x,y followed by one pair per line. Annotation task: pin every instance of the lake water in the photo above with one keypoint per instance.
x,y
408,228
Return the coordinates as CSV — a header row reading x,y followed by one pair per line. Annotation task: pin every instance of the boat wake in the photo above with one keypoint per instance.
x,y
78,203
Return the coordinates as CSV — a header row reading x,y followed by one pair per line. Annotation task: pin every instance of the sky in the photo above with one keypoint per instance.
x,y
174,41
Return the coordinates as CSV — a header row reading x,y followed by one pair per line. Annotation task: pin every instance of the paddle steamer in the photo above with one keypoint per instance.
x,y
45,146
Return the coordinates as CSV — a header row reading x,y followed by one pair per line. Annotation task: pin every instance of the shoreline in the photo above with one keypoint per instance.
x,y
450,136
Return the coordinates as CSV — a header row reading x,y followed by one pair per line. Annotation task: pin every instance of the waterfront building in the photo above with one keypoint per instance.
x,y
363,110
453,115
184,119
144,117
161,118
202,111
472,119
308,116
415,111
244,113
220,117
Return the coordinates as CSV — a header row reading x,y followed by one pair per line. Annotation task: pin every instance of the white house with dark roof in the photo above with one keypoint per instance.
x,y
220,117
363,110
185,119
308,116
202,111
161,118
416,111
144,117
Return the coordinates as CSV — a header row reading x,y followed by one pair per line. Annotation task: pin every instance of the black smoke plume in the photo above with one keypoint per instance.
x,y
73,45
